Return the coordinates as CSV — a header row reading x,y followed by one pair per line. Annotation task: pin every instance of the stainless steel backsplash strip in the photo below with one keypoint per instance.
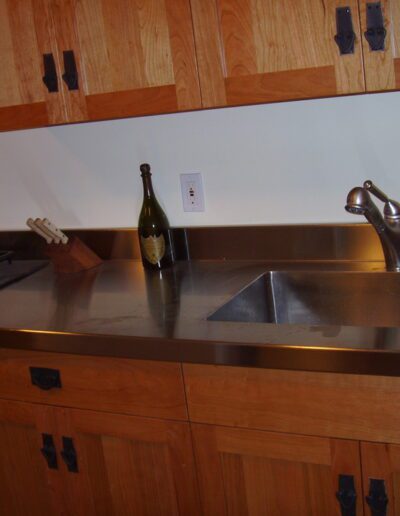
x,y
283,242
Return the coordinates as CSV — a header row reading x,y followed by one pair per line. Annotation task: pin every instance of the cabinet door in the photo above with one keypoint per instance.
x,y
128,465
23,95
381,478
382,66
27,485
252,51
264,473
133,57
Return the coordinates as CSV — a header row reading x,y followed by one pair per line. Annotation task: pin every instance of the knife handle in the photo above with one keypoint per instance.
x,y
55,231
31,224
40,225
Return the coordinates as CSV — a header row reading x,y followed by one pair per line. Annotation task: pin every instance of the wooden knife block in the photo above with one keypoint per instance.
x,y
74,256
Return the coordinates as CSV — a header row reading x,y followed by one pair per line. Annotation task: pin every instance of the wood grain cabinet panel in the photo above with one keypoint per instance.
x,y
23,95
381,464
320,404
249,472
27,485
253,51
382,67
125,386
141,57
106,464
134,57
128,465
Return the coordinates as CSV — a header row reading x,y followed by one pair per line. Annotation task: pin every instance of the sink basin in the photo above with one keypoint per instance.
x,y
317,298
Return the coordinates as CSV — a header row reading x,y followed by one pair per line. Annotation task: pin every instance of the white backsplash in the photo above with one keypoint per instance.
x,y
280,163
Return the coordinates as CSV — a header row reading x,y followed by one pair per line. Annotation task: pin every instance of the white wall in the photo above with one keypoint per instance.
x,y
281,163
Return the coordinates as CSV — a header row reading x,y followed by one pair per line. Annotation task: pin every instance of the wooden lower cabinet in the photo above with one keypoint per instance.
x,y
27,485
107,464
129,465
381,478
242,452
254,473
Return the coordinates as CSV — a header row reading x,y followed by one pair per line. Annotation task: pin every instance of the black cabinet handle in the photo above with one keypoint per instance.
x,y
70,75
49,451
345,35
50,75
376,32
68,454
377,498
347,495
45,378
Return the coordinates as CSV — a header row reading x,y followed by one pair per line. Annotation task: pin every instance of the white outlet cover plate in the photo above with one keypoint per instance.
x,y
192,191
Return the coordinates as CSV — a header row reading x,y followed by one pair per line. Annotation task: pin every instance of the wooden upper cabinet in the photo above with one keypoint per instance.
x,y
140,57
23,95
252,51
382,66
112,59
133,57
250,472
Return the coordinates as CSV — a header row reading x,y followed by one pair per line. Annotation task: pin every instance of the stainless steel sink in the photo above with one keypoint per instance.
x,y
317,298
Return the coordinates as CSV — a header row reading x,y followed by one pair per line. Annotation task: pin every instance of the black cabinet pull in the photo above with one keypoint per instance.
x,y
70,75
45,378
377,498
376,32
50,75
345,35
347,495
68,454
49,451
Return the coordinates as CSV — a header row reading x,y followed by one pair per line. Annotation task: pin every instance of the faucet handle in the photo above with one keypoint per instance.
x,y
369,185
391,209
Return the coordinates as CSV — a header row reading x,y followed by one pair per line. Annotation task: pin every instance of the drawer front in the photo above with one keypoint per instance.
x,y
333,405
126,386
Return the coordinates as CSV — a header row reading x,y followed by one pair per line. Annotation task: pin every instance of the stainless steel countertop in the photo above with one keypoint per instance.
x,y
119,310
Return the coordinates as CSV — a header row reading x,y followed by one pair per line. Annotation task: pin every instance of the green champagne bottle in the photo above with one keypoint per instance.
x,y
155,237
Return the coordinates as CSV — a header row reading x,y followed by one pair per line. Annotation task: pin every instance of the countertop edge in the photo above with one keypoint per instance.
x,y
258,355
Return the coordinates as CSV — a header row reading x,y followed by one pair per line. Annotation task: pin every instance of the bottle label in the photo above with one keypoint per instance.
x,y
153,248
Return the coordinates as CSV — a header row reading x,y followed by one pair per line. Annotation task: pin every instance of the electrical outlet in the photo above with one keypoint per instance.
x,y
192,192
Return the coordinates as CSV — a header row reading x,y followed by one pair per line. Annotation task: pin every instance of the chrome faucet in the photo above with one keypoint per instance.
x,y
359,202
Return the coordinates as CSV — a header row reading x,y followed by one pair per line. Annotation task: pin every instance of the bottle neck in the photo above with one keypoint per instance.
x,y
148,191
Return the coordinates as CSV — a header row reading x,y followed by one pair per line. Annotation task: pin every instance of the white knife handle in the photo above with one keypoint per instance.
x,y
40,225
31,224
43,226
55,231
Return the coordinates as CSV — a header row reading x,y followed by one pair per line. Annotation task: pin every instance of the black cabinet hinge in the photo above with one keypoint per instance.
x,y
346,495
376,32
345,35
49,451
69,455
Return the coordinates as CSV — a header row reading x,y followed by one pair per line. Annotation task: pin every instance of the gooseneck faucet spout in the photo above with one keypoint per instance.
x,y
359,202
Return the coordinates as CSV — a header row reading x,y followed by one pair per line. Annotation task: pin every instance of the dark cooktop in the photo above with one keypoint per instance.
x,y
14,270
6,256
